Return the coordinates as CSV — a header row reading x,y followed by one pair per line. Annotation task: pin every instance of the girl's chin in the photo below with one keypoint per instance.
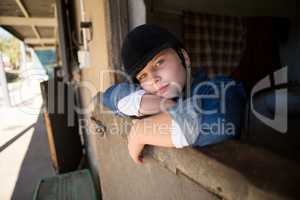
x,y
168,95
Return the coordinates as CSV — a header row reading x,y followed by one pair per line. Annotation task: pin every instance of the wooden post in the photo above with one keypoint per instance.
x,y
3,83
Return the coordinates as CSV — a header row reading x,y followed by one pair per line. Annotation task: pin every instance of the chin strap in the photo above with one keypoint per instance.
x,y
189,77
181,56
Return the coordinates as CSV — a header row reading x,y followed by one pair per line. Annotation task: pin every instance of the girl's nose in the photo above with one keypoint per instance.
x,y
155,79
152,80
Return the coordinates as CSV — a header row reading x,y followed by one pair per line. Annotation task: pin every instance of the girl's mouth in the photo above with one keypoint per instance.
x,y
163,89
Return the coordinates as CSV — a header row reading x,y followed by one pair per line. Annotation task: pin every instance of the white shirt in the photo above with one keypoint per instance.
x,y
130,104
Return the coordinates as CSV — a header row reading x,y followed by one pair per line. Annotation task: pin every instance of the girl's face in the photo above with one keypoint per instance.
x,y
164,75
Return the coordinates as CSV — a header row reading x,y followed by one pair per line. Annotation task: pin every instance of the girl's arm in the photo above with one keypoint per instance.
x,y
126,99
191,125
152,104
153,130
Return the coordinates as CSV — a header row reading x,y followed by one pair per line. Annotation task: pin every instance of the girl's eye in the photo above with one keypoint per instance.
x,y
159,62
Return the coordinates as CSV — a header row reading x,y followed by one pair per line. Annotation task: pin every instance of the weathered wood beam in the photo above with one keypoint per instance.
x,y
35,41
25,13
32,21
44,48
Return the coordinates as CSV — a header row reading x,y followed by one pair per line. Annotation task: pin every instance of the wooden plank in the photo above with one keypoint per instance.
x,y
24,11
51,142
117,13
31,21
39,41
45,48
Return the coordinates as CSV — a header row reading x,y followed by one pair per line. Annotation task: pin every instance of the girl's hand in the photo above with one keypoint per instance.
x,y
135,147
156,132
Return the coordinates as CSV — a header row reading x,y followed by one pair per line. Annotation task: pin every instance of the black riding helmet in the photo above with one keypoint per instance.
x,y
143,43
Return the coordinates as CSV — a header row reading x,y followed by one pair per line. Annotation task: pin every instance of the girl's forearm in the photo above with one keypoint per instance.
x,y
154,130
152,104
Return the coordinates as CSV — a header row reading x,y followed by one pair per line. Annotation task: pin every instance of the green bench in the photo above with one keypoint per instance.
x,y
73,185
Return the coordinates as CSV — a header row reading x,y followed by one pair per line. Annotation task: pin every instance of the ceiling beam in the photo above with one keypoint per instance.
x,y
35,41
32,21
44,48
25,13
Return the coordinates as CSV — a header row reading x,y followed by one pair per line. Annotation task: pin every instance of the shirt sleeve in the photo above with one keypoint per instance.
x,y
177,136
115,93
130,105
185,123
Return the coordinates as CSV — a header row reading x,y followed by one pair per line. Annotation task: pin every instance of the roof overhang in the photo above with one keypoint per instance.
x,y
32,21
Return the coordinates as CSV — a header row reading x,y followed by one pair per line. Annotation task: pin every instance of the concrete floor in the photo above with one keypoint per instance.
x,y
24,152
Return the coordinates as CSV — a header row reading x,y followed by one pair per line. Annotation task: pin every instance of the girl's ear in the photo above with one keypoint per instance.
x,y
186,57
